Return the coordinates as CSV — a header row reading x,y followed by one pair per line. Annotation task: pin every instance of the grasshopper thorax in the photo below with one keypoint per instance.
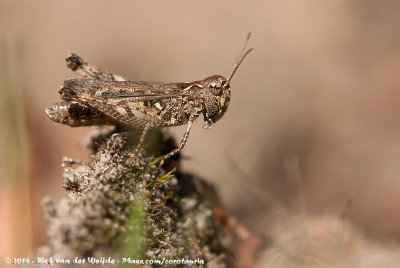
x,y
216,98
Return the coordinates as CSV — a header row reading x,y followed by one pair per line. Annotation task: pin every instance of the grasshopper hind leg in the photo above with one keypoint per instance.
x,y
141,140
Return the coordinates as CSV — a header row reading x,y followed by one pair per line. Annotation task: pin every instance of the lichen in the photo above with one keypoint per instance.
x,y
120,204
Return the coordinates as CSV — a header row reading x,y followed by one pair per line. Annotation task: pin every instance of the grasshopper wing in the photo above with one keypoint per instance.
x,y
123,101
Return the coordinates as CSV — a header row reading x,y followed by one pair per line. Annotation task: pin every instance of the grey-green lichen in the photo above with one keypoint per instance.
x,y
121,205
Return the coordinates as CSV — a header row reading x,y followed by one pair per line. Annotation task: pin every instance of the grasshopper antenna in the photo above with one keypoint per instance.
x,y
240,58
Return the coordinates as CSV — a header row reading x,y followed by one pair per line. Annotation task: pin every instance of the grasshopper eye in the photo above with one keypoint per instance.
x,y
213,85
216,88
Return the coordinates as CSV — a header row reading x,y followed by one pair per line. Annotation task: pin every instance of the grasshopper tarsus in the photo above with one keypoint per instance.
x,y
74,61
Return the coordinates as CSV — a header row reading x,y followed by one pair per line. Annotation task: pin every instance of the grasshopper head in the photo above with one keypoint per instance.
x,y
217,93
216,98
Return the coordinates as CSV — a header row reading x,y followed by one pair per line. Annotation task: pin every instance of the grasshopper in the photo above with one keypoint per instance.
x,y
107,99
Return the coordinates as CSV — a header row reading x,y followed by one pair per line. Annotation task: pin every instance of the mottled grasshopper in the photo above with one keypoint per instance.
x,y
106,99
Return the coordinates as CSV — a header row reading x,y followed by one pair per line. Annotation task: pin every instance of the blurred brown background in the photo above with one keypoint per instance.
x,y
313,121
